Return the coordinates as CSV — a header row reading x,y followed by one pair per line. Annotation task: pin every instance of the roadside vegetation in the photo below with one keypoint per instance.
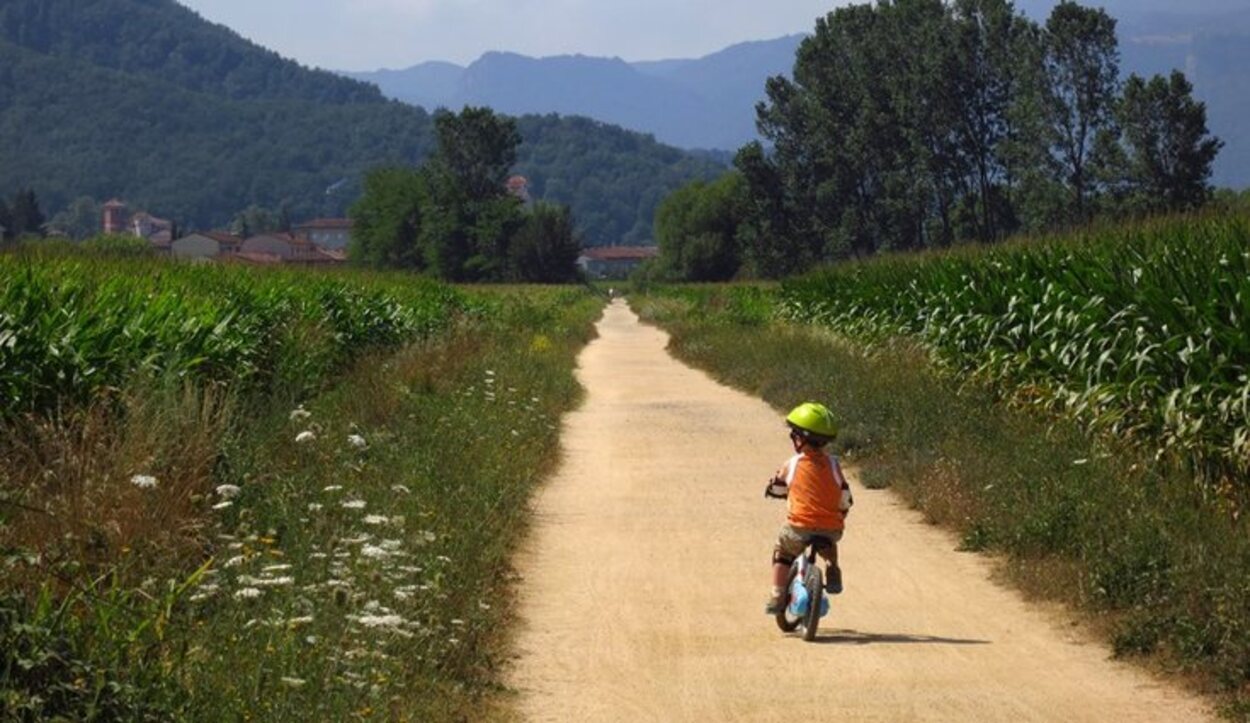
x,y
1077,405
920,124
266,495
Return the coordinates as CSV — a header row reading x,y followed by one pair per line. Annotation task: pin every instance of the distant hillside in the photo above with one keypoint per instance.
x,y
144,100
703,103
709,102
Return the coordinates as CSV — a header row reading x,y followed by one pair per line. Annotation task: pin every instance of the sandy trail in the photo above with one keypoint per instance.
x,y
646,573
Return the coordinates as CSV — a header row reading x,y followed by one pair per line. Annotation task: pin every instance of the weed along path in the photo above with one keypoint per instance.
x,y
646,572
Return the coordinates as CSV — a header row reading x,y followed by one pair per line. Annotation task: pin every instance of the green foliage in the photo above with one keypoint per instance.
x,y
1169,153
697,226
193,123
272,623
612,179
454,217
1139,331
1080,518
163,41
80,220
26,217
72,328
546,247
915,124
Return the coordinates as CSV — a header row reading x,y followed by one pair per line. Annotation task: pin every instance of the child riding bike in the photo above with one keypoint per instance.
x,y
819,498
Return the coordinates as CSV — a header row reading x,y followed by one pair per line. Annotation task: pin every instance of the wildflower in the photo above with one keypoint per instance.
x,y
299,414
143,481
305,436
296,622
223,505
234,561
276,568
457,621
293,682
357,441
332,488
247,593
402,489
228,491
375,520
380,621
315,507
354,505
374,553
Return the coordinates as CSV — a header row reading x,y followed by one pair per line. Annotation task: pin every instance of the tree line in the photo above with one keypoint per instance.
x,y
453,217
913,124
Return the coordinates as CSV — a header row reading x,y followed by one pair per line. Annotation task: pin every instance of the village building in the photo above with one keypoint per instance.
x,y
290,249
519,186
119,220
328,233
206,245
614,262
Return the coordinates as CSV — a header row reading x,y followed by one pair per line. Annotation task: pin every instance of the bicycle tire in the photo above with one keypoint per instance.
x,y
787,623
815,590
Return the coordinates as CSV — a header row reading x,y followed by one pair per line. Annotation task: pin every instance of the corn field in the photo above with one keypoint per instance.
x,y
1141,331
72,328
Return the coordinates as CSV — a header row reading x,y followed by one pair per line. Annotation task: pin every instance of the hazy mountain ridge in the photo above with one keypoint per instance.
x,y
709,102
692,103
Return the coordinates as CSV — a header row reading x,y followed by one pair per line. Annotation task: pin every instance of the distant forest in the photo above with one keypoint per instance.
x,y
144,100
918,124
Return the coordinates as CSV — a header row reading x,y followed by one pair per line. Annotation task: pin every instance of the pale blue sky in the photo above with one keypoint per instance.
x,y
371,34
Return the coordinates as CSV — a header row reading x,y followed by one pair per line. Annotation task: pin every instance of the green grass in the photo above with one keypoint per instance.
x,y
1154,555
380,570
1138,331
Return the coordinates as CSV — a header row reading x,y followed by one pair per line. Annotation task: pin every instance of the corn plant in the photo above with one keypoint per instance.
x,y
1140,330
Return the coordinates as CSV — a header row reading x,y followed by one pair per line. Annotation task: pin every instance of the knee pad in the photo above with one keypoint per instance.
x,y
781,558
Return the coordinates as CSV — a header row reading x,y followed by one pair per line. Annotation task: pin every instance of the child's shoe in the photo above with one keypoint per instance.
x,y
775,605
833,580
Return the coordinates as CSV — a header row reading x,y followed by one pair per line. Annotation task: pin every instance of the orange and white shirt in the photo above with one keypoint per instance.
x,y
819,496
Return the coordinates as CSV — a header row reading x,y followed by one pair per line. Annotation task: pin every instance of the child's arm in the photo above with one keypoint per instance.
x,y
777,487
847,498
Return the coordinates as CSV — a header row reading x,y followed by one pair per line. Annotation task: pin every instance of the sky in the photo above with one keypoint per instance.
x,y
373,34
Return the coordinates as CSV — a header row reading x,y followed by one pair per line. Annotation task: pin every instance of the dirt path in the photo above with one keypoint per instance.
x,y
646,575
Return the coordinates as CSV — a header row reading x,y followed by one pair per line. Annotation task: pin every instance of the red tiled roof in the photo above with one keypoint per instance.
x,y
249,257
328,223
621,253
222,237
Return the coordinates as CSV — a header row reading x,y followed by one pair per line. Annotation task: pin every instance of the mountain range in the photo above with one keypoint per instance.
x,y
145,100
709,102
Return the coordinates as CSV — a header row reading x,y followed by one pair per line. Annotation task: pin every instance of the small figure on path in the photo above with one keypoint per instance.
x,y
819,498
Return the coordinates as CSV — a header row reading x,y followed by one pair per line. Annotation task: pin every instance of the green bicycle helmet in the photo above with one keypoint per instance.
x,y
813,421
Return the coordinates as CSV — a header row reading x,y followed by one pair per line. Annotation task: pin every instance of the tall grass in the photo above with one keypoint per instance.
x,y
1122,525
1139,331
181,538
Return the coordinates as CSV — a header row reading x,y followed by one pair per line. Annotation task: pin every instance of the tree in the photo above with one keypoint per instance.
x,y
477,148
1080,69
6,221
546,247
989,40
387,219
1168,152
80,220
697,229
254,220
27,218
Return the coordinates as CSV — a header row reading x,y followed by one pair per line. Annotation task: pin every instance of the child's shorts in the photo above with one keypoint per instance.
x,y
791,541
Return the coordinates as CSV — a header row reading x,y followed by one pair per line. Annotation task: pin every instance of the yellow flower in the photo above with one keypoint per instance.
x,y
540,343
